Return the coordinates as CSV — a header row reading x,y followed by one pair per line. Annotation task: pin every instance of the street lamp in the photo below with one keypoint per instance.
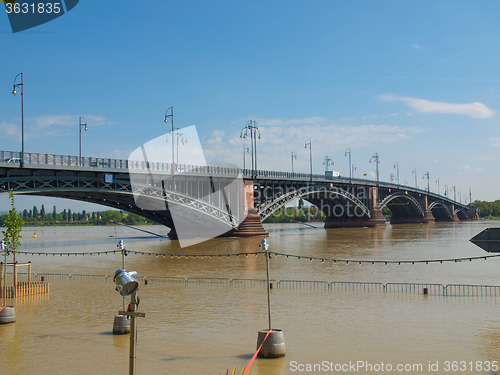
x,y
396,166
437,181
445,190
81,125
245,150
327,163
392,177
427,175
309,143
376,159
180,136
14,92
348,152
167,115
294,157
353,169
454,193
415,173
252,129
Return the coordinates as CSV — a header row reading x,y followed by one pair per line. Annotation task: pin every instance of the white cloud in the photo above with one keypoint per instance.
x,y
465,166
495,141
9,129
476,110
278,140
479,170
416,46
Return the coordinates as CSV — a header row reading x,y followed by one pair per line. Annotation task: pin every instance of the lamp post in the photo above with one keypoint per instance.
x,y
252,129
446,190
245,150
427,175
348,152
396,166
437,181
14,92
376,159
171,115
454,193
82,124
353,169
415,173
327,163
294,156
392,177
180,136
309,143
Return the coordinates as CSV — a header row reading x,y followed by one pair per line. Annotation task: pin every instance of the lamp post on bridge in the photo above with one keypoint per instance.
x,y
392,177
415,173
437,181
353,169
396,166
245,150
294,156
81,124
327,163
14,92
376,159
309,143
180,136
252,129
427,175
171,115
348,152
454,193
446,190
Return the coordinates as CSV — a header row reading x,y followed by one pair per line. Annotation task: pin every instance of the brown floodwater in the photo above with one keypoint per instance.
x,y
203,328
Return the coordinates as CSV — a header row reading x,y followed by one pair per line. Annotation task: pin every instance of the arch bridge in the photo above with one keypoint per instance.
x,y
241,208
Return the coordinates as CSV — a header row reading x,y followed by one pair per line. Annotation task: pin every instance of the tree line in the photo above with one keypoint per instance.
x,y
488,210
35,216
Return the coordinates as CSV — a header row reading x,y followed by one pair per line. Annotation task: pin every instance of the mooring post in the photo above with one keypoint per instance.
x,y
133,334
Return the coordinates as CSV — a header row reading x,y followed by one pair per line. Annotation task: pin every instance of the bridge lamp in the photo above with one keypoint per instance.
x,y
82,123
309,143
171,115
14,92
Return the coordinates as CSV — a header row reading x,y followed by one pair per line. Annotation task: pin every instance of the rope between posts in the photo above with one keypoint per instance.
x,y
237,255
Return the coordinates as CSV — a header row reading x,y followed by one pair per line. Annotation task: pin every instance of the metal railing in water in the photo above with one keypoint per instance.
x,y
333,286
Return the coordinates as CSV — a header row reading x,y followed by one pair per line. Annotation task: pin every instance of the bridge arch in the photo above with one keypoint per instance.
x,y
461,214
440,211
332,194
402,205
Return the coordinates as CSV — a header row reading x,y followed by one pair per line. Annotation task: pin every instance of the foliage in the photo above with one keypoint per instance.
x,y
14,224
67,217
488,209
293,214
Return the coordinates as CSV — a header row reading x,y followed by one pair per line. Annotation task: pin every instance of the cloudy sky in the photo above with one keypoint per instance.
x,y
416,82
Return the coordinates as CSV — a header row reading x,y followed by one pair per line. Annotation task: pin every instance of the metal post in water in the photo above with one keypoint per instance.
x,y
2,245
133,334
121,246
264,245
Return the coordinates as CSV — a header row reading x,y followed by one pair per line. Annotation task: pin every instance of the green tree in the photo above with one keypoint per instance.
x,y
35,212
301,203
42,212
54,213
25,214
70,215
64,215
14,224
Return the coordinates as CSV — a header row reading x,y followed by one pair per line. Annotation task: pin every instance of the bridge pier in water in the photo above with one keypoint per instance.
x,y
252,225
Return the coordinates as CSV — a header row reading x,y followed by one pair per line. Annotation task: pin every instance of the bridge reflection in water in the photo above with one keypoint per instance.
x,y
206,192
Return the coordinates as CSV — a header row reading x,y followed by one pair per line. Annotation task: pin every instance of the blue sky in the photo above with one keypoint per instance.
x,y
416,82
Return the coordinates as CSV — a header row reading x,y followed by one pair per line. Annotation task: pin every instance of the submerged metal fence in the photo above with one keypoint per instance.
x,y
333,286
